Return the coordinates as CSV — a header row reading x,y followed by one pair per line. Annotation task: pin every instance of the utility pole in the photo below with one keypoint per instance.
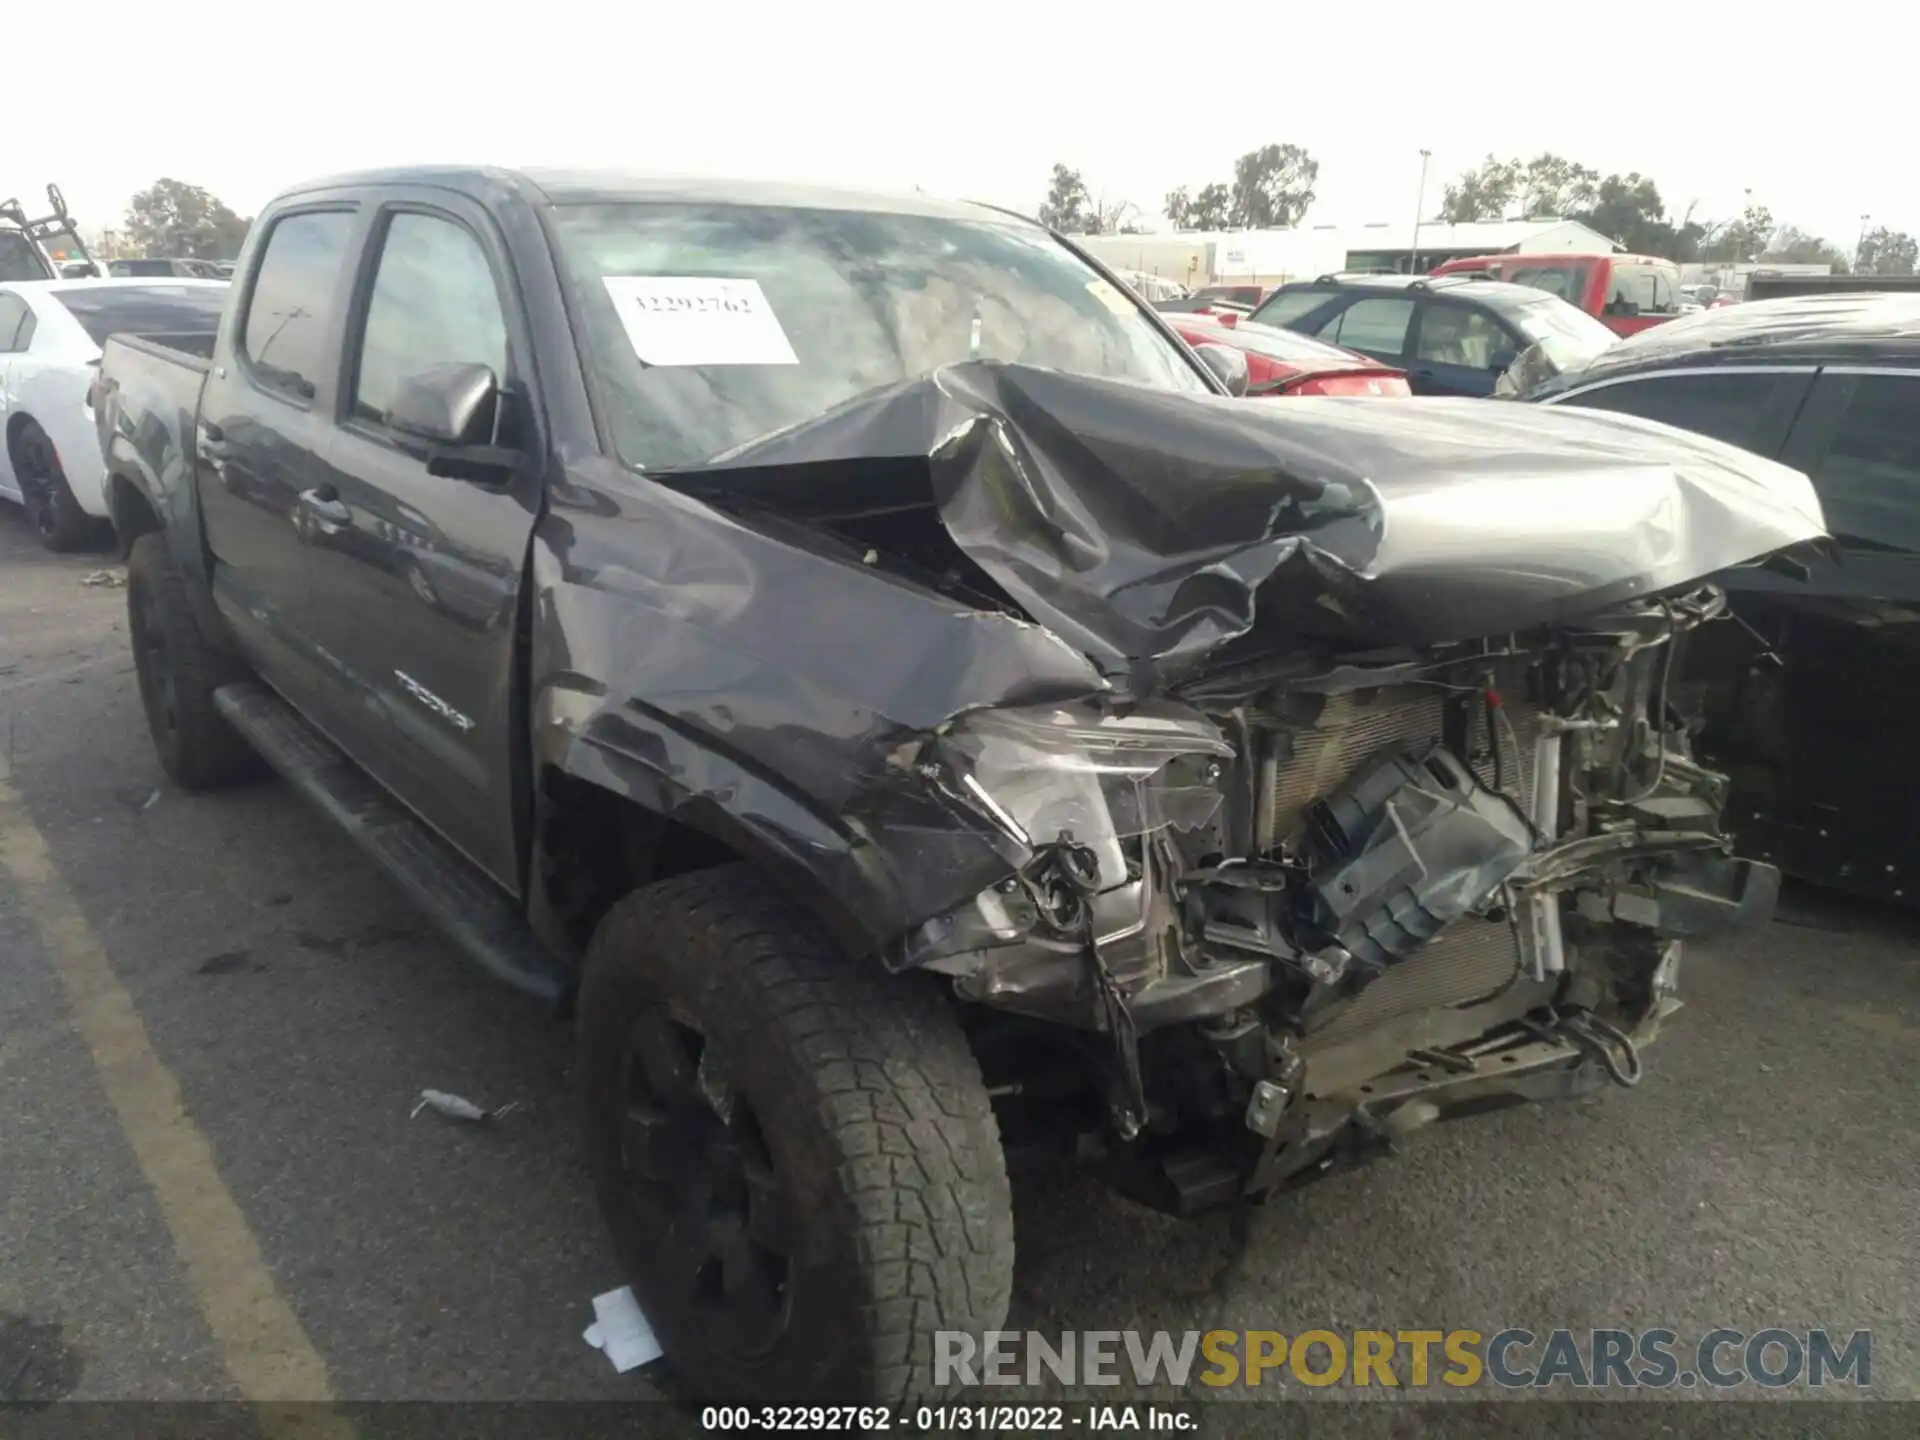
x,y
1419,208
1860,244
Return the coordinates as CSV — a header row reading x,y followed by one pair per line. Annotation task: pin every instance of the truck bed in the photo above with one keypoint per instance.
x,y
146,402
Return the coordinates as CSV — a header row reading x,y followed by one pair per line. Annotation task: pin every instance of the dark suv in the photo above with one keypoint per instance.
x,y
1811,707
1452,335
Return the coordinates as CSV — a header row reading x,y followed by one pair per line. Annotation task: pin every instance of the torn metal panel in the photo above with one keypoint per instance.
x,y
761,646
1151,528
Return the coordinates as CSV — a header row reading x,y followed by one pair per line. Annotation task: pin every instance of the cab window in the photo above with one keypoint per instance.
x,y
1376,324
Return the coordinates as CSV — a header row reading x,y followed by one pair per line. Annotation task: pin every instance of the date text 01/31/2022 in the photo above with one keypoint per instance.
x,y
943,1419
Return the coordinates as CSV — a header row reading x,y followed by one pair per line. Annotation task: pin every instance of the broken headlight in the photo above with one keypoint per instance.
x,y
1076,782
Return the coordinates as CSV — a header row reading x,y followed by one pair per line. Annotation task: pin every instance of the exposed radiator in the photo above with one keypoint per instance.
x,y
1357,725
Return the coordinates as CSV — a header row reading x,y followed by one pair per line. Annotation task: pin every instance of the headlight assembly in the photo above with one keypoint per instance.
x,y
1049,775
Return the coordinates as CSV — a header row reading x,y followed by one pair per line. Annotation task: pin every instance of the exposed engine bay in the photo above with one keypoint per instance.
x,y
1264,780
1305,908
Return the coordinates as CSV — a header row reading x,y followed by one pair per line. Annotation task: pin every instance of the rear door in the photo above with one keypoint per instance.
x,y
1454,349
416,576
264,413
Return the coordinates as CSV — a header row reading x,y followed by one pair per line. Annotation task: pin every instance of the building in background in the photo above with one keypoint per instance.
x,y
1274,257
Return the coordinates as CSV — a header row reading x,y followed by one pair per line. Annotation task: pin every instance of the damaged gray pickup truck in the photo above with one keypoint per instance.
x,y
856,657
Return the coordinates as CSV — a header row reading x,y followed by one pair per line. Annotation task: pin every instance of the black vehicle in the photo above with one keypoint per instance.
x,y
1809,705
861,659
1452,334
1779,284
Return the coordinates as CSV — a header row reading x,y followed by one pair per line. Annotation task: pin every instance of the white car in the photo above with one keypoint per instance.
x,y
51,332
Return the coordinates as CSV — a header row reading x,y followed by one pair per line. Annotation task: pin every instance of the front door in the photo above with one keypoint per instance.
x,y
415,576
264,412
1455,349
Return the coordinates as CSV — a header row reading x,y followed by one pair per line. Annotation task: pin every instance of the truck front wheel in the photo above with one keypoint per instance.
x,y
178,670
795,1152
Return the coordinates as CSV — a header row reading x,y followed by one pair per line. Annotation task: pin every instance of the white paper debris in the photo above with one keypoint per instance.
x,y
111,579
458,1107
621,1331
697,320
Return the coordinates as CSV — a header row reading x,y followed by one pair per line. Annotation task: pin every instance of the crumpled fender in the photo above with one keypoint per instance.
x,y
761,692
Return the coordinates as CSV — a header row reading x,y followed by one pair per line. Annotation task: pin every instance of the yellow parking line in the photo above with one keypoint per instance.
x,y
261,1341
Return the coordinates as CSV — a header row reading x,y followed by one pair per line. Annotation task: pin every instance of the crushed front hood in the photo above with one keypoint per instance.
x,y
1150,528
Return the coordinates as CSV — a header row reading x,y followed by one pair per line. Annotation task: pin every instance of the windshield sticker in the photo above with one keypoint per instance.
x,y
699,320
1110,296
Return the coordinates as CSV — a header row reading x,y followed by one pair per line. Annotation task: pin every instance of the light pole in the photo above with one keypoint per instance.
x,y
1861,243
1419,208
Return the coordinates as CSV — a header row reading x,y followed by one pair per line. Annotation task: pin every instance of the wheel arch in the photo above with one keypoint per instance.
x,y
605,824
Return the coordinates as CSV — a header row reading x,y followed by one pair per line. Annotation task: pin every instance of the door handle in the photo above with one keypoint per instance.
x,y
329,511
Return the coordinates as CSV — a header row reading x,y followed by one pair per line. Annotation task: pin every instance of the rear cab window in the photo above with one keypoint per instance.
x,y
298,287
1567,280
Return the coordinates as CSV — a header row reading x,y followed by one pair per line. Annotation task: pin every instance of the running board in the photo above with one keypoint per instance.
x,y
477,916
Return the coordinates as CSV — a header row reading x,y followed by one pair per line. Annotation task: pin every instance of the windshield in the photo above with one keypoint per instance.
x,y
1569,282
708,326
103,310
1567,338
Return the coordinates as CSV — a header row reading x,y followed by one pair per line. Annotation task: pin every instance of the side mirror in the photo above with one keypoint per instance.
x,y
1228,365
445,405
1503,361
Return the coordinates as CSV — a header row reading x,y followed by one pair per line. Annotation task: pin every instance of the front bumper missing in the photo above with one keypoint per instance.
x,y
1522,1063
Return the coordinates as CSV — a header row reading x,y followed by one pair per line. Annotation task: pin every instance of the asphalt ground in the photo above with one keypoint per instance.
x,y
215,1018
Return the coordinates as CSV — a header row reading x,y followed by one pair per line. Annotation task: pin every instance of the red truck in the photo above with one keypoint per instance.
x,y
1626,293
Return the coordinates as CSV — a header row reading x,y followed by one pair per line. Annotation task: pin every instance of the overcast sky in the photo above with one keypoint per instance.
x,y
970,98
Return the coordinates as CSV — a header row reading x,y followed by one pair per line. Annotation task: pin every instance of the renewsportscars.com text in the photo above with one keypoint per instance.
x,y
1512,1359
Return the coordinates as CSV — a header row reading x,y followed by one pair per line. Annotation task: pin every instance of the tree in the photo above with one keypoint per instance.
x,y
1887,252
1494,189
1742,239
1272,187
1067,201
1213,208
1113,217
1482,193
1790,245
183,221
1628,209
1551,185
1209,210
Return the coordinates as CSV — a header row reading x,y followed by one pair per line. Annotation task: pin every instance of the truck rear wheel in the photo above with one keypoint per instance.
x,y
55,515
178,671
795,1152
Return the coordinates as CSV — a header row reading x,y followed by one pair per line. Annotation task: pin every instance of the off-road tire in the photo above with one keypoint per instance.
x,y
178,671
54,515
871,1107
